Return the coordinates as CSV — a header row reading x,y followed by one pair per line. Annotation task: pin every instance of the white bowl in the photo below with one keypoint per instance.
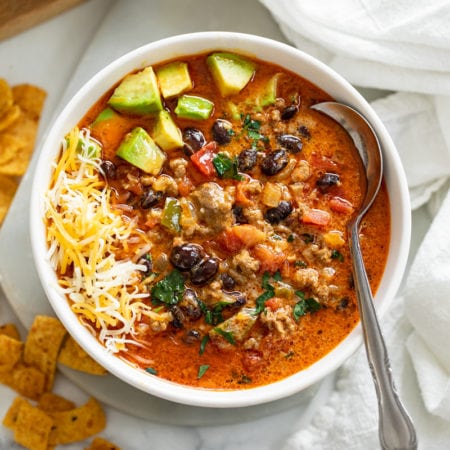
x,y
267,50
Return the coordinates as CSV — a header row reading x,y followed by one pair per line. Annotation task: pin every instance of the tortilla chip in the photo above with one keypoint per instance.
x,y
77,424
8,188
27,381
73,356
9,117
23,129
32,427
9,329
10,419
50,402
10,352
102,444
6,96
30,99
42,346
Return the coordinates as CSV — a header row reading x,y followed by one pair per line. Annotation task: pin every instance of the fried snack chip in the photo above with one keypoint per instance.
x,y
10,352
42,346
102,444
30,99
9,117
10,419
6,96
8,188
24,129
77,424
9,329
32,428
27,381
50,402
73,356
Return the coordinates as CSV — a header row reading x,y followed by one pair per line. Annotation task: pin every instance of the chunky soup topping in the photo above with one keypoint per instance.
x,y
197,222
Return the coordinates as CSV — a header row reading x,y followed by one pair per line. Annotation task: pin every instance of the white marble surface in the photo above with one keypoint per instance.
x,y
60,55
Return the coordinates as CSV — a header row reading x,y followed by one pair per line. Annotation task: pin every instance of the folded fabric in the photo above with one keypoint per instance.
x,y
403,45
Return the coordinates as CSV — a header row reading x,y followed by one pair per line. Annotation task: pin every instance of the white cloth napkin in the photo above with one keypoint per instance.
x,y
401,46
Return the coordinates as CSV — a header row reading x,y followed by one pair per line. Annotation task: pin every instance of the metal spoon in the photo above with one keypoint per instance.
x,y
396,430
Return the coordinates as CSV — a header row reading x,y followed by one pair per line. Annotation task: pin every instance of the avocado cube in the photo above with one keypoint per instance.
x,y
106,114
231,72
174,79
139,149
165,133
138,94
269,95
192,107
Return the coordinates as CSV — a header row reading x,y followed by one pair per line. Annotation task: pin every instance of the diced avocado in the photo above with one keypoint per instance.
x,y
234,111
269,95
174,79
138,93
166,134
106,114
231,72
139,149
87,147
238,326
192,107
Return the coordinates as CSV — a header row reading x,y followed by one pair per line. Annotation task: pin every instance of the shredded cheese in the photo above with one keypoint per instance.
x,y
86,238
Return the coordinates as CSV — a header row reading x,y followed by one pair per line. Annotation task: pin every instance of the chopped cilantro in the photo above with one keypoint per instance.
x,y
335,254
269,290
290,238
203,343
151,370
202,370
245,380
277,276
300,264
170,289
307,238
226,167
226,335
305,305
261,300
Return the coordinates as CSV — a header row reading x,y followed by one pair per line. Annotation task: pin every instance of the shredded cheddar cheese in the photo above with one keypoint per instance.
x,y
86,238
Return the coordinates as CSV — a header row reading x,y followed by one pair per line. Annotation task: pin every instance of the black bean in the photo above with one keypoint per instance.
x,y
204,271
327,181
247,160
274,162
193,140
150,198
190,305
228,282
240,300
178,316
289,112
304,131
238,214
192,336
291,143
186,256
108,169
221,131
147,262
343,304
279,213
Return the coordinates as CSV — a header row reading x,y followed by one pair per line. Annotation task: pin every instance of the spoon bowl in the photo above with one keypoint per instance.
x,y
396,429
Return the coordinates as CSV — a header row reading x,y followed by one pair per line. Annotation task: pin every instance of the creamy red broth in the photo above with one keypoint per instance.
x,y
270,249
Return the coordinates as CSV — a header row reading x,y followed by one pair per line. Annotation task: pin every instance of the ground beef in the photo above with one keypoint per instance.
x,y
281,320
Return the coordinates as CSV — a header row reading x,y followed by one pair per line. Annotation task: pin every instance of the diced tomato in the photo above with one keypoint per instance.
x,y
203,159
322,162
316,217
241,194
249,234
185,187
270,260
273,303
341,205
229,242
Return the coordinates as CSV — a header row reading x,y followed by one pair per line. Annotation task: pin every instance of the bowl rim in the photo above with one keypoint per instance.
x,y
264,49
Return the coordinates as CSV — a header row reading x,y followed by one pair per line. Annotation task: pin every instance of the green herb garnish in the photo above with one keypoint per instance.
x,y
151,370
300,264
290,238
202,370
304,306
227,167
226,335
203,343
307,238
335,254
170,289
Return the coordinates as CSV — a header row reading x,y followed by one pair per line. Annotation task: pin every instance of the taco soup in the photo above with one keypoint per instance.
x,y
197,220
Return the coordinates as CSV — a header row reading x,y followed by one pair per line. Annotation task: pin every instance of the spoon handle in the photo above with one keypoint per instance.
x,y
396,430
